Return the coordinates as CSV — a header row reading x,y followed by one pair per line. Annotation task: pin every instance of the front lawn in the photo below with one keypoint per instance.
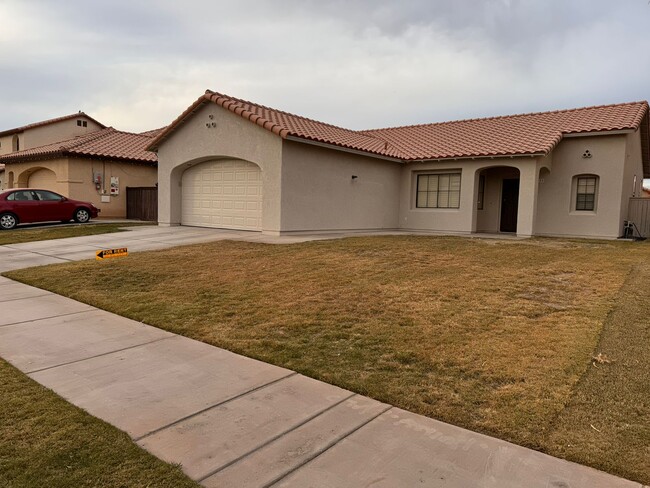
x,y
18,235
495,336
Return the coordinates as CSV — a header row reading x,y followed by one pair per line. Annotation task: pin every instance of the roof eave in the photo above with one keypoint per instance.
x,y
36,125
476,156
189,111
342,148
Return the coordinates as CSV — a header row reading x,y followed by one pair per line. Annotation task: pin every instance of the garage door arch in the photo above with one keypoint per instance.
x,y
225,193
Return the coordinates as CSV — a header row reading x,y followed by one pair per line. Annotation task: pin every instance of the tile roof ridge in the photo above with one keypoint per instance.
x,y
151,133
642,104
241,100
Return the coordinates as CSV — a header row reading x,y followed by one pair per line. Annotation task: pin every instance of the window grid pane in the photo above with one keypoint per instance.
x,y
438,191
586,193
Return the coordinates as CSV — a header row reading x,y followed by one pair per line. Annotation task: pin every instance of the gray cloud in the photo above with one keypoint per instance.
x,y
360,64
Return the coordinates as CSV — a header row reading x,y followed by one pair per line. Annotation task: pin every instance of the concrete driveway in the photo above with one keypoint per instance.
x,y
146,238
234,421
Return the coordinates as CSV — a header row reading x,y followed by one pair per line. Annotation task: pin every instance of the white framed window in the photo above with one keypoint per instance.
x,y
438,190
586,192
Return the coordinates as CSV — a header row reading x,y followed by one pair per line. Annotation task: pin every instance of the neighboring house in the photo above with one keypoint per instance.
x,y
230,163
47,132
96,167
2,176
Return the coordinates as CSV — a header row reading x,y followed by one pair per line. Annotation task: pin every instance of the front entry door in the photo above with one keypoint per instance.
x,y
509,205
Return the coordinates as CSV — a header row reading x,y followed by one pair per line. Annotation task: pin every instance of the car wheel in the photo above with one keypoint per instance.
x,y
8,221
82,215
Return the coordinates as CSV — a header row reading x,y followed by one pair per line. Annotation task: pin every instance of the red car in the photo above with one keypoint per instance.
x,y
26,205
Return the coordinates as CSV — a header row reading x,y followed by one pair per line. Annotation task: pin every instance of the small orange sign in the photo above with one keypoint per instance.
x,y
111,253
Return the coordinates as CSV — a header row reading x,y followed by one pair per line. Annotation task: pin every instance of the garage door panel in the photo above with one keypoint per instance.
x,y
223,194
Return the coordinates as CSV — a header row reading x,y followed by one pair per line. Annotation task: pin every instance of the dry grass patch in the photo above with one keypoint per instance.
x,y
19,235
47,442
489,335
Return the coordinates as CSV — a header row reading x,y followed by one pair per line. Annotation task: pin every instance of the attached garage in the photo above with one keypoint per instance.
x,y
224,194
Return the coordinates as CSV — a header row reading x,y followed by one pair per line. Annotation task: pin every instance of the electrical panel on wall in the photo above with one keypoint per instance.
x,y
115,185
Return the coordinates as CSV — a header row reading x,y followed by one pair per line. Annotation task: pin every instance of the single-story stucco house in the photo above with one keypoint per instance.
x,y
230,163
96,167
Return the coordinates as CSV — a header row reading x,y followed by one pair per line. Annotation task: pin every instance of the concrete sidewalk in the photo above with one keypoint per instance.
x,y
233,421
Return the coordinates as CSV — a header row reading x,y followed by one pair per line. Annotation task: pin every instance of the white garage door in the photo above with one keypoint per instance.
x,y
223,194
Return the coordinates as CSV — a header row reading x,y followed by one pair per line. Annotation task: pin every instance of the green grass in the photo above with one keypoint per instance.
x,y
16,236
47,442
495,336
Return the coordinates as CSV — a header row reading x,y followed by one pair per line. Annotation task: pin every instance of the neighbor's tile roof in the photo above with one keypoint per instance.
x,y
48,122
153,132
525,134
106,143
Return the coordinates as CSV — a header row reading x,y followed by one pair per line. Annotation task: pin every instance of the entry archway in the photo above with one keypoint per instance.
x,y
497,199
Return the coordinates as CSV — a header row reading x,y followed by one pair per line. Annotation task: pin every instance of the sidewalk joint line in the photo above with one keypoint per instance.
x,y
199,412
277,436
27,298
52,317
100,355
40,254
318,453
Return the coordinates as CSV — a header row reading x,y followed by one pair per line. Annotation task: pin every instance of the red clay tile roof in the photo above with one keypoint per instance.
x,y
152,133
48,122
512,135
283,124
106,143
534,133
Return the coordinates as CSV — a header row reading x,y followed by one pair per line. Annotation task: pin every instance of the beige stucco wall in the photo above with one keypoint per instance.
x,y
58,131
81,186
556,204
22,172
2,179
74,179
6,143
232,136
318,192
633,168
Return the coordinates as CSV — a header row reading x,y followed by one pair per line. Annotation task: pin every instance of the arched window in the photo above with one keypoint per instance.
x,y
15,143
586,192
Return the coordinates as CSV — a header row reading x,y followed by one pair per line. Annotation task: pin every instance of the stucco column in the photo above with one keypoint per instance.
x,y
169,197
528,176
468,193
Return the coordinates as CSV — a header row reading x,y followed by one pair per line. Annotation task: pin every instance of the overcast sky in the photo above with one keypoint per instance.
x,y
136,65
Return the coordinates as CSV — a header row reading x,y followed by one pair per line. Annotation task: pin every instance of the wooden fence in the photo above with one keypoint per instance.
x,y
142,203
639,213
